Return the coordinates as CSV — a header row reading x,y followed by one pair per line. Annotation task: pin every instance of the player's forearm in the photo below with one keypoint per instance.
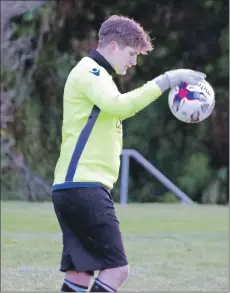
x,y
136,100
125,105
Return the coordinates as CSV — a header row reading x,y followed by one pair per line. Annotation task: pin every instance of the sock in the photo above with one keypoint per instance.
x,y
99,286
68,286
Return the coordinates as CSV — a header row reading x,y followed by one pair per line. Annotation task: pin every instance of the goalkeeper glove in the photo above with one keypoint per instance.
x,y
174,77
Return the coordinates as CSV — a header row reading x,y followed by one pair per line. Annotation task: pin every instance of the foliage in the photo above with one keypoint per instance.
x,y
41,47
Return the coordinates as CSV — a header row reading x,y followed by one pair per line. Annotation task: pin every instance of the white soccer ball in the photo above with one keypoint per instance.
x,y
192,103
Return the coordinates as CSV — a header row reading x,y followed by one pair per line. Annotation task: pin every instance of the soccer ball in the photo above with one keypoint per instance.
x,y
192,103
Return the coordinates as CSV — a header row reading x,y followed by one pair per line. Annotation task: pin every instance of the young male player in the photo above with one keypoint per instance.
x,y
89,159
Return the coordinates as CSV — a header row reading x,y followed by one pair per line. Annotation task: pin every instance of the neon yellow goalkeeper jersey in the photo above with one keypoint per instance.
x,y
93,110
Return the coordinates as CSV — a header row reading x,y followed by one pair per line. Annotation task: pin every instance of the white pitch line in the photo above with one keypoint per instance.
x,y
221,235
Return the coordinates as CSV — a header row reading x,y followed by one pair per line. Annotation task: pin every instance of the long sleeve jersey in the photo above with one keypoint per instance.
x,y
93,110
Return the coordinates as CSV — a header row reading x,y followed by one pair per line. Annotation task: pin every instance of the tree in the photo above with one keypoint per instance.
x,y
46,43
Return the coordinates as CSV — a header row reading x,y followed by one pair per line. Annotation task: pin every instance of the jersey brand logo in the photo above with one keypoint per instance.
x,y
95,71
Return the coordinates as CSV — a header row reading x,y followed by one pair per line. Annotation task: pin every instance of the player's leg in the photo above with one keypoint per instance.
x,y
75,280
108,241
110,280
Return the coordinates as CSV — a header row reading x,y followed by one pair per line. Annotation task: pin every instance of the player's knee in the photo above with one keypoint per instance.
x,y
83,278
123,273
117,275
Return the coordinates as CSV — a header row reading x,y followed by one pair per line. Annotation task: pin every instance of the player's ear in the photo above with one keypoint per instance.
x,y
113,45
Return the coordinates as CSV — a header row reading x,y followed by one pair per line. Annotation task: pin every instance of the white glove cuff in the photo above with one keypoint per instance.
x,y
163,82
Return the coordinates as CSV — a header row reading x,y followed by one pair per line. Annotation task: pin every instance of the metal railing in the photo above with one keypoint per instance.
x,y
124,187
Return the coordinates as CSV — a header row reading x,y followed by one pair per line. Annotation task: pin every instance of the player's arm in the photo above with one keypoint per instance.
x,y
106,96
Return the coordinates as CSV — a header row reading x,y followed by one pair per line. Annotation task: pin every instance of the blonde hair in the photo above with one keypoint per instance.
x,y
126,32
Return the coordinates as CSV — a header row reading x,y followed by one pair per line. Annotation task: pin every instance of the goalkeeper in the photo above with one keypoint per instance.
x,y
89,160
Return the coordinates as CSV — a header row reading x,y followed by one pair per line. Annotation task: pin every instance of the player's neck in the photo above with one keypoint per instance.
x,y
105,54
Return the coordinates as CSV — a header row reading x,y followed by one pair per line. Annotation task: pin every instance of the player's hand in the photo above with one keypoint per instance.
x,y
184,75
173,77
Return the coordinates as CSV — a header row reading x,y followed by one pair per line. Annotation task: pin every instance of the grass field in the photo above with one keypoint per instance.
x,y
170,247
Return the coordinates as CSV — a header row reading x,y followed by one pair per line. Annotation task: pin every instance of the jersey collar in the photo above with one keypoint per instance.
x,y
96,56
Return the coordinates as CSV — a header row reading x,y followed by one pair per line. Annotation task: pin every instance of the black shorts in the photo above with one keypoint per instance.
x,y
92,239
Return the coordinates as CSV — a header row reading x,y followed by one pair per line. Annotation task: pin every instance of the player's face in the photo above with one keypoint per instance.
x,y
124,58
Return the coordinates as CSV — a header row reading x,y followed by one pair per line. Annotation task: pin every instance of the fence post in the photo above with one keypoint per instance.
x,y
124,184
